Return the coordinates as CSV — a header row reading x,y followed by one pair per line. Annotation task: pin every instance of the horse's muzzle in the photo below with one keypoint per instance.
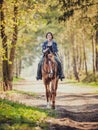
x,y
50,75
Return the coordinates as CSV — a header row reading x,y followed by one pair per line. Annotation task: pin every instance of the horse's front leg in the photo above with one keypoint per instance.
x,y
53,98
56,86
48,95
53,92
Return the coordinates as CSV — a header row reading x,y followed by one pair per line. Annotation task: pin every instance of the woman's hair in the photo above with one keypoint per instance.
x,y
50,34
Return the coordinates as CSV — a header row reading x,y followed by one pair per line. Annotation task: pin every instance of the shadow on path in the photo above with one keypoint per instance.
x,y
81,115
69,120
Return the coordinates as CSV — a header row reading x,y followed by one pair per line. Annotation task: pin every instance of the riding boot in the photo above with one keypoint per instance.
x,y
39,74
61,75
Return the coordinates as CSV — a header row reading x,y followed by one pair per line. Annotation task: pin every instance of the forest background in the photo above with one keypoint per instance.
x,y
24,23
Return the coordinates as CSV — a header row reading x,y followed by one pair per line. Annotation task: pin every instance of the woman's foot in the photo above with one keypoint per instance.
x,y
38,77
62,76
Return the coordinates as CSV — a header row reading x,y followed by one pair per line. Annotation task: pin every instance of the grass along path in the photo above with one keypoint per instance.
x,y
17,114
20,117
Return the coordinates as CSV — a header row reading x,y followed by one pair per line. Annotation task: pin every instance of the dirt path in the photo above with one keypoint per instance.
x,y
77,107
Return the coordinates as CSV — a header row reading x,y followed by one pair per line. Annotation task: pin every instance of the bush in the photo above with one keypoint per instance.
x,y
18,116
90,78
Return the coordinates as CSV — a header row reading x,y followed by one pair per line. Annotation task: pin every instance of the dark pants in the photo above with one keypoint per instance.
x,y
60,71
39,73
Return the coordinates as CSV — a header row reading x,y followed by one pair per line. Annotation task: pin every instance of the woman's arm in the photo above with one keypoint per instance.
x,y
43,47
55,47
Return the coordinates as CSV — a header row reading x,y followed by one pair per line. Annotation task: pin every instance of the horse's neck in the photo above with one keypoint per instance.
x,y
46,60
48,63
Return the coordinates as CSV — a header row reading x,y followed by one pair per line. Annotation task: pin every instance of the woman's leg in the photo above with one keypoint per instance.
x,y
39,73
61,75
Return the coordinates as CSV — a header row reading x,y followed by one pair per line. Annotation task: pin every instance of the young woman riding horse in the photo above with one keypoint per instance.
x,y
50,69
52,46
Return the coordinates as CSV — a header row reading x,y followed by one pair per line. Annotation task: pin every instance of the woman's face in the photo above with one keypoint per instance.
x,y
49,37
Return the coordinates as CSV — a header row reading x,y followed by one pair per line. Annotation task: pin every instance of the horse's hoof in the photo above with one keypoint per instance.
x,y
48,107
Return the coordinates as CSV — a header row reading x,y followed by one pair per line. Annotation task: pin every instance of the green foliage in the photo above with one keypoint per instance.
x,y
96,92
91,78
21,92
87,84
17,79
28,20
0,88
17,116
82,83
78,5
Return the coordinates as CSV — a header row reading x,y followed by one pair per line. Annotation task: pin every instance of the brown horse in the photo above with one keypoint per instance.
x,y
50,78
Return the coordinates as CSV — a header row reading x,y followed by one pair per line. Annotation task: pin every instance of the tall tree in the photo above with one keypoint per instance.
x,y
97,50
76,74
13,44
84,52
93,53
5,47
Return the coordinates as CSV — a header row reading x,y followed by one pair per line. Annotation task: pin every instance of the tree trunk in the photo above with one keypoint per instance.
x,y
84,53
5,47
77,57
20,63
97,50
68,65
16,67
74,59
93,54
80,59
14,41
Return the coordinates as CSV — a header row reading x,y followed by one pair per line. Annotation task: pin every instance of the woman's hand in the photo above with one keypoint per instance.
x,y
46,50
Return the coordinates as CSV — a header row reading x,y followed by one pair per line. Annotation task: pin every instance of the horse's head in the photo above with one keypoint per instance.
x,y
49,64
49,55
